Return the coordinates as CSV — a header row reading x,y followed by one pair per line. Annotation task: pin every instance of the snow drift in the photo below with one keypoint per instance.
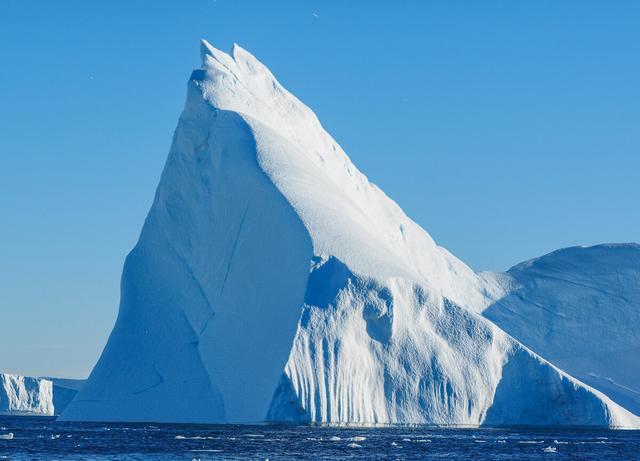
x,y
273,281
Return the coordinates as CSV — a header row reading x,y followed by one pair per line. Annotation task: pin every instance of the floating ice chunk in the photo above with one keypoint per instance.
x,y
357,438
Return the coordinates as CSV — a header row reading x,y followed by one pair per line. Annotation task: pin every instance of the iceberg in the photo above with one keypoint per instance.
x,y
36,396
24,396
272,281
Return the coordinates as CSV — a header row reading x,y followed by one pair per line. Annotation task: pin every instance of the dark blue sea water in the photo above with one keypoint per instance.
x,y
44,438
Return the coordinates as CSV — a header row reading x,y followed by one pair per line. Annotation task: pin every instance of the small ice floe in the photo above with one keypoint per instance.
x,y
530,441
7,436
357,438
407,439
354,445
195,437
254,435
559,442
335,438
55,436
549,449
501,441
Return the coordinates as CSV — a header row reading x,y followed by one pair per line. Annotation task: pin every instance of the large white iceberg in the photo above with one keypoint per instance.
x,y
273,281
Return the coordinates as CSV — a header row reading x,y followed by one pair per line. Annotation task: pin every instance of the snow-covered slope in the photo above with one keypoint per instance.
x,y
21,395
580,309
273,280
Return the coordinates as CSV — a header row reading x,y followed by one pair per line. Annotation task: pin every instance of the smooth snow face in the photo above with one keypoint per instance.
x,y
271,279
580,309
20,395
211,293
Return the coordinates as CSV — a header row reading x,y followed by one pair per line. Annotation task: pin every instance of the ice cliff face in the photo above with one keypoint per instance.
x,y
23,395
272,280
20,395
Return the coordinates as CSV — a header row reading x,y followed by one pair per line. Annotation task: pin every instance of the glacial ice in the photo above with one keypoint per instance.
x,y
21,395
64,391
36,396
580,309
272,280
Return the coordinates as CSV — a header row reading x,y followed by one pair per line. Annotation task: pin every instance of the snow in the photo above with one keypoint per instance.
x,y
273,281
21,395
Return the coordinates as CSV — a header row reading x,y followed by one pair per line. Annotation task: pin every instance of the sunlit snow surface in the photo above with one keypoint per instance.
x,y
273,280
41,438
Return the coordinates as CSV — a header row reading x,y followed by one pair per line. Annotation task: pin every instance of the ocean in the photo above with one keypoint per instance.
x,y
29,438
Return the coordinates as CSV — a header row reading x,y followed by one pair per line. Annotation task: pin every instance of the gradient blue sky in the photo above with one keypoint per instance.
x,y
507,129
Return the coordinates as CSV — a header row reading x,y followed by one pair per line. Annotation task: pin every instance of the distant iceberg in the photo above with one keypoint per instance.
x,y
21,395
273,281
28,396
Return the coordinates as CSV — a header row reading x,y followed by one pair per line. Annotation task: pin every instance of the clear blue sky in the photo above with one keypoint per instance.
x,y
507,129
